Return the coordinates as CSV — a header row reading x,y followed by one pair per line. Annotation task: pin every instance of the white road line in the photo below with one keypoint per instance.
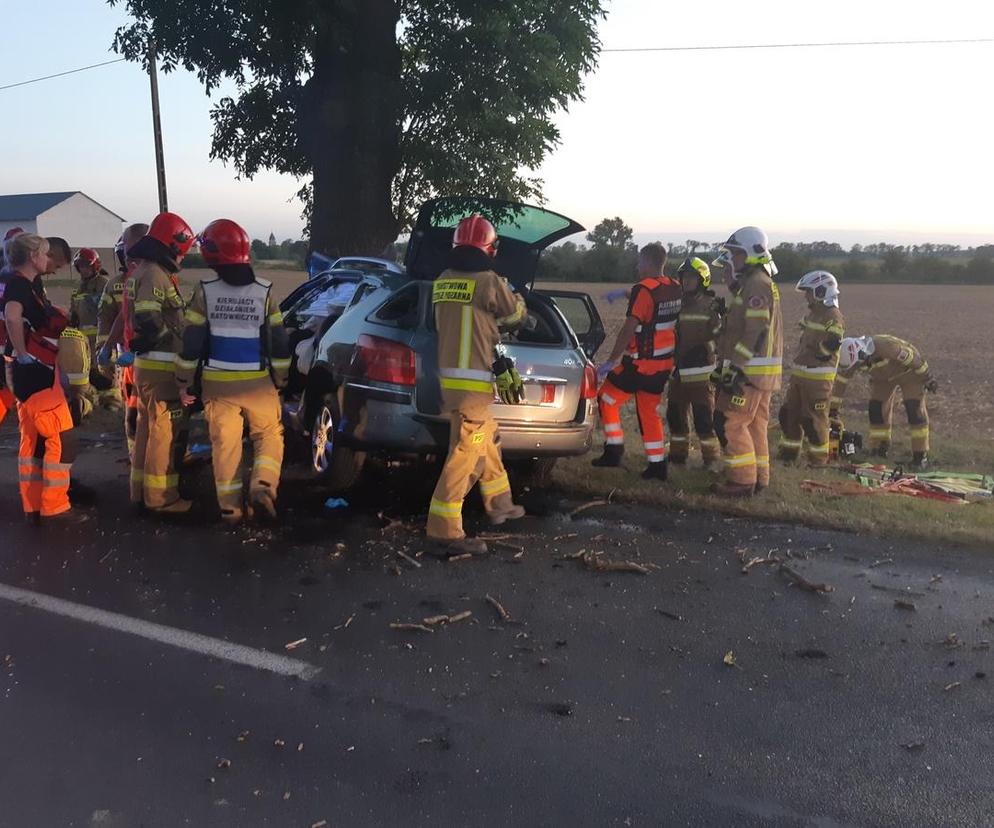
x,y
183,639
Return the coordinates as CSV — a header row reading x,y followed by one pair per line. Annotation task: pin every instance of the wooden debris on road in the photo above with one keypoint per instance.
x,y
411,627
497,605
412,561
803,583
591,504
435,620
294,644
596,563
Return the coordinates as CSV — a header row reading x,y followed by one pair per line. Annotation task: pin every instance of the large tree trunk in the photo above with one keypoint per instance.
x,y
350,127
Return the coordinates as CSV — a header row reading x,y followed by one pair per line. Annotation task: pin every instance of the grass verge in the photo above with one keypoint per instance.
x,y
878,514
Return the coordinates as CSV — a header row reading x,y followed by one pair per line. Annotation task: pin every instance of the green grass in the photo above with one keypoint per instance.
x,y
878,514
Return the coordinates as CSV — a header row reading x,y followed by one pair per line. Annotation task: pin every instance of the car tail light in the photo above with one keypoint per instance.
x,y
588,390
548,393
386,360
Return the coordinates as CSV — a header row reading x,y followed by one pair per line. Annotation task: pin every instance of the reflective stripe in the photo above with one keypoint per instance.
x,y
655,458
920,431
465,335
757,314
229,487
662,352
666,326
614,441
496,486
148,306
161,481
817,374
693,372
655,445
161,356
762,460
923,369
276,318
835,400
694,317
814,448
743,350
267,463
186,365
678,438
843,380
78,379
137,475
466,385
445,509
195,318
466,373
880,432
609,400
153,364
279,364
513,318
218,375
612,427
785,443
30,477
57,467
737,460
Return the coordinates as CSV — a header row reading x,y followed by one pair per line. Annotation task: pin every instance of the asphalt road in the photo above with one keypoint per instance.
x,y
605,699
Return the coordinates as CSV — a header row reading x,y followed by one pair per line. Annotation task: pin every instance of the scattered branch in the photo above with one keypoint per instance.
x,y
803,583
497,605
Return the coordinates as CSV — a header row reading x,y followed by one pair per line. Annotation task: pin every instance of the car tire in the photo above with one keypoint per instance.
x,y
336,465
535,471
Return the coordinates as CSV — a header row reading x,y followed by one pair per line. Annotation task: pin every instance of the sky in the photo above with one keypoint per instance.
x,y
846,144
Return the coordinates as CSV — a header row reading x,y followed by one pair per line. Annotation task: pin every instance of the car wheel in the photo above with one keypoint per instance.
x,y
336,465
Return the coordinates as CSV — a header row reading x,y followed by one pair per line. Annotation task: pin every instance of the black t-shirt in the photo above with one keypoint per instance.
x,y
31,299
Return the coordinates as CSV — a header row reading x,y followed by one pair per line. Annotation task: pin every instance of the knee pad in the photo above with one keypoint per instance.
x,y
914,409
703,420
719,427
876,412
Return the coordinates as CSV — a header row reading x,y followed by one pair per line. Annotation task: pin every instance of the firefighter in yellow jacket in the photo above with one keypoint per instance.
x,y
156,308
690,396
892,364
805,410
472,304
751,354
235,336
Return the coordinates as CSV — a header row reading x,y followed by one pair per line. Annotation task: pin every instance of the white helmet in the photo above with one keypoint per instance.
x,y
755,244
823,284
855,349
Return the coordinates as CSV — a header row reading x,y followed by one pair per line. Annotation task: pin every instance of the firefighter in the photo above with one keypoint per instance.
x,y
156,318
472,305
47,446
805,410
892,364
84,307
640,364
235,336
114,330
690,395
751,352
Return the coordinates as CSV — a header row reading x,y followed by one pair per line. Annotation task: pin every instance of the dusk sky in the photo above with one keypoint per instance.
x,y
847,144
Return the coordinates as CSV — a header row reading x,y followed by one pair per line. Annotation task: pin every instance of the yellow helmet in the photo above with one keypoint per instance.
x,y
693,263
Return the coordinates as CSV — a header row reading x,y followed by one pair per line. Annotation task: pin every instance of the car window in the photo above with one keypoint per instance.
x,y
400,310
519,221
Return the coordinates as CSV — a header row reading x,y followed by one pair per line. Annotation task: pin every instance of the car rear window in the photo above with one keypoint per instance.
x,y
519,222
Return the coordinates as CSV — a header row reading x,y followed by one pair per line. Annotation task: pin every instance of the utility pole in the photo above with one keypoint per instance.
x,y
160,162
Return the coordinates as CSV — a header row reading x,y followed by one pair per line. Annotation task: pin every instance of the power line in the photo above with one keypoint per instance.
x,y
61,74
800,45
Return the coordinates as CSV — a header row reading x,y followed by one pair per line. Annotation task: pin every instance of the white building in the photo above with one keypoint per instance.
x,y
74,216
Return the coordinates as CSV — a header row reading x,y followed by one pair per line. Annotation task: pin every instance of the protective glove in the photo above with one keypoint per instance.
x,y
604,369
104,357
125,359
25,359
510,389
931,384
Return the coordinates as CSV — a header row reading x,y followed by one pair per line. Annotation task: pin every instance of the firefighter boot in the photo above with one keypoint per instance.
x,y
610,458
656,471
920,461
502,516
460,546
729,489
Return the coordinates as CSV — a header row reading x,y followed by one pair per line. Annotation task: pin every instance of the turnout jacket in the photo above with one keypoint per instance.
x,y
696,331
893,362
234,337
156,312
73,361
752,339
111,304
470,308
817,358
84,306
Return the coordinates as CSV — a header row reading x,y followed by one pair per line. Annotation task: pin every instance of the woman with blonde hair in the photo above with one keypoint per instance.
x,y
34,328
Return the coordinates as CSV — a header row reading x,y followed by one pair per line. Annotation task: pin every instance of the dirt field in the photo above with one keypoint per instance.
x,y
949,324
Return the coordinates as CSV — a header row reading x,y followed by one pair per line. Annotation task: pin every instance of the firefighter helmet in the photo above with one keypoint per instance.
x,y
174,233
755,244
823,285
692,264
87,256
855,349
223,242
476,231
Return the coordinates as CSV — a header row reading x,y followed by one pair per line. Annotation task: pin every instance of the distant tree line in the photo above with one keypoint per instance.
x,y
611,256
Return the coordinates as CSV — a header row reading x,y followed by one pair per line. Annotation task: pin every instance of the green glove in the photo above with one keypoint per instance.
x,y
510,389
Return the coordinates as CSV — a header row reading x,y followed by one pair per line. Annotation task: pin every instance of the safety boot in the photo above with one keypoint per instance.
x,y
68,518
920,461
442,548
263,505
513,512
611,457
656,471
728,489
177,507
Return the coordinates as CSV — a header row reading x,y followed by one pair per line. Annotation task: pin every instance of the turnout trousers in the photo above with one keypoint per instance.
x,y
743,422
881,411
46,453
690,406
160,440
804,416
227,416
474,457
621,385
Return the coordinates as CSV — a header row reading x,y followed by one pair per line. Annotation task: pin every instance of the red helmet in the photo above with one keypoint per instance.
x,y
13,233
174,233
476,231
223,242
86,255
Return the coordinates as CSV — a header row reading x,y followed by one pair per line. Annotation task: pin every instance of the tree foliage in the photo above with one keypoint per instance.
x,y
382,104
611,233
